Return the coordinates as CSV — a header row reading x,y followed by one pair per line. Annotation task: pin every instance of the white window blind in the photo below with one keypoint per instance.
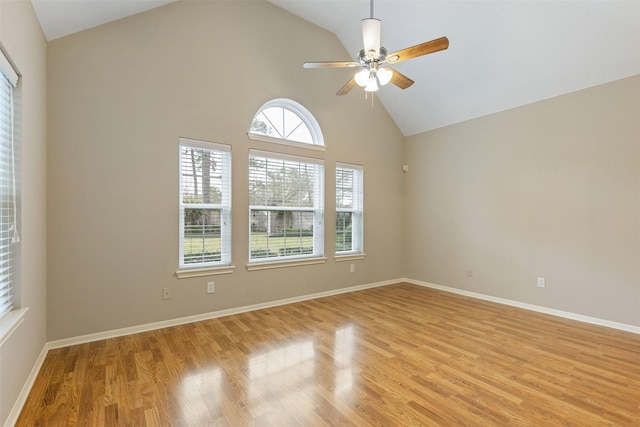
x,y
349,209
286,202
205,204
8,197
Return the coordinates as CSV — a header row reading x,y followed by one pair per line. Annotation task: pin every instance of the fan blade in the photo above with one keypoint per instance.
x,y
418,50
334,64
400,79
346,88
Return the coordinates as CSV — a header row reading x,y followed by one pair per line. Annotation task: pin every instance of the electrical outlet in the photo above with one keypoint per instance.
x,y
541,282
469,273
211,287
352,268
166,293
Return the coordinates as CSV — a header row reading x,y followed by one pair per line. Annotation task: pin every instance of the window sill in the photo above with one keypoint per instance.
x,y
265,138
209,271
268,265
349,257
10,323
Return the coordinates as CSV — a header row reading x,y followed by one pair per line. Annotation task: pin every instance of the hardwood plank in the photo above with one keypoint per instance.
x,y
394,355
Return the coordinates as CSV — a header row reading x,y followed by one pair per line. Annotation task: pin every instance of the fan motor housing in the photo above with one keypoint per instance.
x,y
364,60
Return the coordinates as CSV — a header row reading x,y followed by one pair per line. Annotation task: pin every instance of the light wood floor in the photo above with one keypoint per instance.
x,y
395,355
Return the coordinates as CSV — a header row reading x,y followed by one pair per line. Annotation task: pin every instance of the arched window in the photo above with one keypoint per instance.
x,y
287,122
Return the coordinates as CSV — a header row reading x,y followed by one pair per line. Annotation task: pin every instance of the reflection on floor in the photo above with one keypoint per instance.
x,y
395,355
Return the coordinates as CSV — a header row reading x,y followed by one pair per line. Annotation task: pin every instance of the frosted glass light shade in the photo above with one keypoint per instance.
x,y
362,77
372,84
384,76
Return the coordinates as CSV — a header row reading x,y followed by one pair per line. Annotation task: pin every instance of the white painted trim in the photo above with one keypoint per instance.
x,y
26,388
209,271
349,257
206,316
6,67
10,322
207,145
264,138
268,265
539,309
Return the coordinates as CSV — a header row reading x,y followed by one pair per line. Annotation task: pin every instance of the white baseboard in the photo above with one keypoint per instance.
x,y
539,309
26,388
221,313
205,316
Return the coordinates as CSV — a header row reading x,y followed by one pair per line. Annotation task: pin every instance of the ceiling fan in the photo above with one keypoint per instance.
x,y
374,60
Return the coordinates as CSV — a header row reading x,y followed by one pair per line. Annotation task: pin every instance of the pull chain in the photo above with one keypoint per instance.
x,y
366,96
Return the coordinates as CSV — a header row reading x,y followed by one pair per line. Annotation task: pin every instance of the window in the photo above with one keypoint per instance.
x,y
8,194
205,204
349,207
285,207
286,122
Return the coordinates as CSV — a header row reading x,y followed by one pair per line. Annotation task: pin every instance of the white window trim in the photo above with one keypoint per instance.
x,y
186,273
268,265
283,156
340,257
205,269
265,138
11,316
10,322
8,70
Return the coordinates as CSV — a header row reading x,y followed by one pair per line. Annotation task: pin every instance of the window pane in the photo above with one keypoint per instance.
x,y
343,231
275,182
301,134
201,176
344,188
281,233
275,119
291,122
202,235
262,126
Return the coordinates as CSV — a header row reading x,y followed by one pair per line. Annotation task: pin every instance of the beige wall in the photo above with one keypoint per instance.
x,y
22,39
121,95
551,189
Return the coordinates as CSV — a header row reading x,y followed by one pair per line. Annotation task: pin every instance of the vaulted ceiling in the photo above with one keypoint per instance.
x,y
502,54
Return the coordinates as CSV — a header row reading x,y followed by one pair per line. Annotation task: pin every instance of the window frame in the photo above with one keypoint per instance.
x,y
256,263
357,212
12,314
303,114
224,265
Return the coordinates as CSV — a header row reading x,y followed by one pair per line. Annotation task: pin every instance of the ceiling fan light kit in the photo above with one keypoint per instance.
x,y
374,61
384,75
372,85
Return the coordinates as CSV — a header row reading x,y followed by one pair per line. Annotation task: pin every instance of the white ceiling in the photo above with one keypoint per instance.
x,y
59,18
502,54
